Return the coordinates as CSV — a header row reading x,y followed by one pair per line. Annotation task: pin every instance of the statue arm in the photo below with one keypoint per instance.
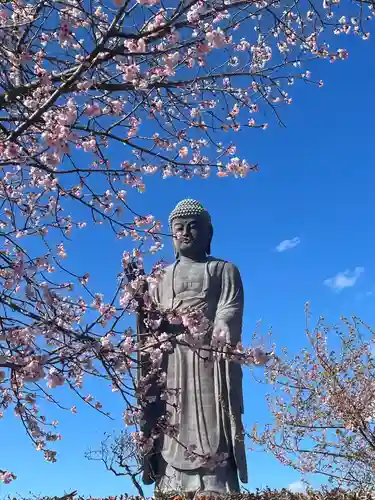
x,y
229,318
230,307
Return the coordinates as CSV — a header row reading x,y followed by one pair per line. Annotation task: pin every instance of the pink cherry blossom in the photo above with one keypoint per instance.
x,y
33,371
93,110
7,477
54,378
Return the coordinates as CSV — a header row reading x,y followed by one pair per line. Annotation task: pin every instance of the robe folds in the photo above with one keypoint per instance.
x,y
209,390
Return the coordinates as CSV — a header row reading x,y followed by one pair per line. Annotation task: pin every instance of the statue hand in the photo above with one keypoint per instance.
x,y
221,333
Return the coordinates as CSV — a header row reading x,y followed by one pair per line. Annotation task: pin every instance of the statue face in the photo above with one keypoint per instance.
x,y
192,236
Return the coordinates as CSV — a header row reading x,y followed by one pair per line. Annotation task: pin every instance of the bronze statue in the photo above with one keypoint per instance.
x,y
208,388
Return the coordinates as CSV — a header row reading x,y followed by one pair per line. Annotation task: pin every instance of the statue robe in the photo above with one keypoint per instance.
x,y
210,395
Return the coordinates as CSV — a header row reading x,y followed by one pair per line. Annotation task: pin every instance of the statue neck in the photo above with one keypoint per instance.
x,y
186,260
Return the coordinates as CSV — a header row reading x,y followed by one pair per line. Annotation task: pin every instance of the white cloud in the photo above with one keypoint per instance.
x,y
344,279
288,244
297,487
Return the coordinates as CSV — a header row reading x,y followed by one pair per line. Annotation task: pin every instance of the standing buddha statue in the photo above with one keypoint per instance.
x,y
210,399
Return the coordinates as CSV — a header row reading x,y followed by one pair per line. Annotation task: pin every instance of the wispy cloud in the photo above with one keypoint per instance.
x,y
297,487
370,292
344,279
288,244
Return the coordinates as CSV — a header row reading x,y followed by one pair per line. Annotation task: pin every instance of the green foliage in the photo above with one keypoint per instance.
x,y
266,494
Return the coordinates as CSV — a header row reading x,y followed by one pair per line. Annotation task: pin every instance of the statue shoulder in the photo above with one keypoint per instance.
x,y
225,266
169,268
167,272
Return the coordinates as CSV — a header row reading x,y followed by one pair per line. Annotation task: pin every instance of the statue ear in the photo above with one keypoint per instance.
x,y
176,254
211,233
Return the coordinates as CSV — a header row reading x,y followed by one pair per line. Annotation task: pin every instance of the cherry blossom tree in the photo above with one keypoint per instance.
x,y
160,83
323,405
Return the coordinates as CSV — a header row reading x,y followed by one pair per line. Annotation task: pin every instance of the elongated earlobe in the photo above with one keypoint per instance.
x,y
208,251
176,254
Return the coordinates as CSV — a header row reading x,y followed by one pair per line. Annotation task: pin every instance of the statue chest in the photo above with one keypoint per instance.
x,y
191,285
189,280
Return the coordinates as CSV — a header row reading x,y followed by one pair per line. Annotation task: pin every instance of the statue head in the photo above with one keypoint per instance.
x,y
192,230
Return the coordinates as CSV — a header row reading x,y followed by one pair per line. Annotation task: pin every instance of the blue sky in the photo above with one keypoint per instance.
x,y
316,184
